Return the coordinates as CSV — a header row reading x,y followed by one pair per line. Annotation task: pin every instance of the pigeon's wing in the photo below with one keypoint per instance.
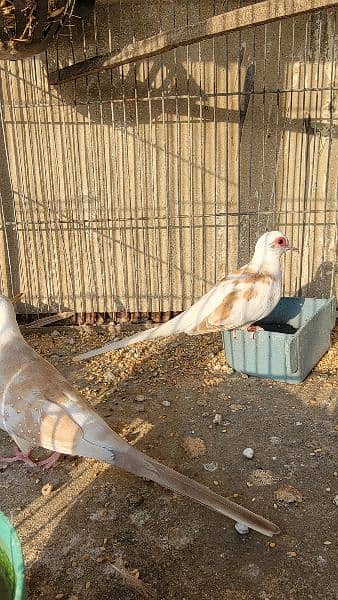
x,y
39,406
245,302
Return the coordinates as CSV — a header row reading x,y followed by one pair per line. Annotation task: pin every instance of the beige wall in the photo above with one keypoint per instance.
x,y
135,190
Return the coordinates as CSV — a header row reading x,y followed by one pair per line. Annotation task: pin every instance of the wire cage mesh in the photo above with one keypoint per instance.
x,y
132,191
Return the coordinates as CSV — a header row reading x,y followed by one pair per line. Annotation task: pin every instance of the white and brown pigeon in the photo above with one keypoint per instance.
x,y
40,408
237,301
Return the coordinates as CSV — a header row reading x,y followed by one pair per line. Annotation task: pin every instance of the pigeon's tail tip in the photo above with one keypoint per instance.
x,y
144,466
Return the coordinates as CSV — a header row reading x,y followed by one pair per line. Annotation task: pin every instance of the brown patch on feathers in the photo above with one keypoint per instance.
x,y
216,319
250,294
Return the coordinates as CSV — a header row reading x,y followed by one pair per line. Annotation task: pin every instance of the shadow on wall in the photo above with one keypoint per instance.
x,y
322,284
229,183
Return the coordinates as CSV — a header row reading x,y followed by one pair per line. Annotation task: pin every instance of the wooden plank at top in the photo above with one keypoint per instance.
x,y
240,18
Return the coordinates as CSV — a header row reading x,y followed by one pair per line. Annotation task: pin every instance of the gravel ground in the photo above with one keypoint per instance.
x,y
93,532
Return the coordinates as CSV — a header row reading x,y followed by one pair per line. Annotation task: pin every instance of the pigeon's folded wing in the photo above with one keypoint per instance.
x,y
244,303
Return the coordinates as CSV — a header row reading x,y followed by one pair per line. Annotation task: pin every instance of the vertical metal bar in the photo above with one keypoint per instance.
x,y
329,158
190,166
302,204
227,174
290,161
180,218
21,165
239,89
215,87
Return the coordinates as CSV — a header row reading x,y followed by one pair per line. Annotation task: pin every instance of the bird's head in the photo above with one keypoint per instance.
x,y
270,247
273,243
7,313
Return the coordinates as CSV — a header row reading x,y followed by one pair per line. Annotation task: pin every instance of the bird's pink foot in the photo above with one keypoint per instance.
x,y
253,330
19,456
49,462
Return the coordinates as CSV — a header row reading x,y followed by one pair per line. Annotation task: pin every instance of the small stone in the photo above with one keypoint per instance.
x,y
217,420
328,489
248,453
47,489
236,407
166,403
275,440
272,545
298,423
194,447
327,543
211,467
133,500
215,482
241,528
288,494
291,554
139,398
335,500
55,333
88,584
59,596
244,376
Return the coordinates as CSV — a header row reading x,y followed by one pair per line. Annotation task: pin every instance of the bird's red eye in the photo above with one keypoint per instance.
x,y
280,241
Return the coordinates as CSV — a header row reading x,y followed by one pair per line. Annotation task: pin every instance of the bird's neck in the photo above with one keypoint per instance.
x,y
266,264
7,332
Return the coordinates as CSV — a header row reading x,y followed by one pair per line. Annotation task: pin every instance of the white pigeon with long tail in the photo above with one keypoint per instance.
x,y
237,301
40,408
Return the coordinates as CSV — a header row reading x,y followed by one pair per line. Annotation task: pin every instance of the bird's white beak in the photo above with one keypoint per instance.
x,y
16,298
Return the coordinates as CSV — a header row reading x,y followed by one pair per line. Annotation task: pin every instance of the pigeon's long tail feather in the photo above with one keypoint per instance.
x,y
169,328
144,466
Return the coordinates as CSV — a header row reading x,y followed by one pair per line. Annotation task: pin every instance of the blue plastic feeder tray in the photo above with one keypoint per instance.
x,y
296,336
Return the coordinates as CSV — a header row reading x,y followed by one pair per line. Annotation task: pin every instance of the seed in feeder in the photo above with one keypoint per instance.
x,y
248,453
241,528
166,403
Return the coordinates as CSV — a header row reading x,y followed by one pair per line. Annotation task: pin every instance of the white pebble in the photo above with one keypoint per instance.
x,y
241,528
335,500
248,453
275,440
217,420
211,467
166,403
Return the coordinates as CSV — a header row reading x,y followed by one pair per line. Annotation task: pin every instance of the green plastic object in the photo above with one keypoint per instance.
x,y
12,569
297,334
